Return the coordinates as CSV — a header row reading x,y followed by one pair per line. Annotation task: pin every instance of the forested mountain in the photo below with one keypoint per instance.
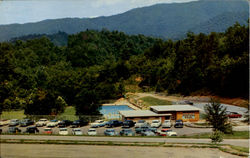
x,y
59,39
161,20
42,78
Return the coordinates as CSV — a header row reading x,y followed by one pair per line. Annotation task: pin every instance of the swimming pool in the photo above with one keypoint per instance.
x,y
111,111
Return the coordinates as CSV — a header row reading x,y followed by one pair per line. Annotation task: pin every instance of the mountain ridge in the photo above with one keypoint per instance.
x,y
160,20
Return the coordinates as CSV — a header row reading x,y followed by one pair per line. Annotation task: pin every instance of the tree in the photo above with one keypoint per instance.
x,y
217,117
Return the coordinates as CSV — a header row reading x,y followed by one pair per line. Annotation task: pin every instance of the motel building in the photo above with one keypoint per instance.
x,y
186,113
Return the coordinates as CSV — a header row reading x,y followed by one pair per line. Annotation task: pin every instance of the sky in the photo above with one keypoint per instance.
x,y
24,11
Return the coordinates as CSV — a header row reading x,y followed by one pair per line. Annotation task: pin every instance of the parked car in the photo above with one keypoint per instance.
x,y
77,131
128,124
127,132
63,131
52,123
113,123
64,123
156,123
26,122
233,114
166,132
92,132
47,131
14,130
140,123
4,122
14,122
166,124
42,122
188,102
110,132
147,132
178,124
153,129
32,129
138,130
79,123
98,123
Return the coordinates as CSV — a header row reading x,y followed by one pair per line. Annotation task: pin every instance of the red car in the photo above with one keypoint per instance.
x,y
234,115
47,131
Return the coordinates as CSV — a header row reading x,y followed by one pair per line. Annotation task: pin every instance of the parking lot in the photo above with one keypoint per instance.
x,y
100,131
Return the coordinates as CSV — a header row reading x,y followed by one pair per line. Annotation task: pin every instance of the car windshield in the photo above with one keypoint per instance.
x,y
77,130
63,129
155,121
12,128
141,121
166,121
53,120
110,130
47,130
13,120
92,130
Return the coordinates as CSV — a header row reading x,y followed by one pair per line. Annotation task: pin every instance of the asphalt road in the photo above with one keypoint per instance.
x,y
236,142
93,151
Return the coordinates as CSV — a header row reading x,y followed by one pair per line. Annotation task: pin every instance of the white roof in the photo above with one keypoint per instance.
x,y
166,108
141,113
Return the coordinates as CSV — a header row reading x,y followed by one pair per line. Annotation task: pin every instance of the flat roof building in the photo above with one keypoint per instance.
x,y
163,112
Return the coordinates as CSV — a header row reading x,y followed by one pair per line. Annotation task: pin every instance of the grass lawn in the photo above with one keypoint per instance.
x,y
151,101
235,135
69,114
13,115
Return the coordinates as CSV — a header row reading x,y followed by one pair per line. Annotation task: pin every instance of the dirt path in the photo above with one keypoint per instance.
x,y
92,151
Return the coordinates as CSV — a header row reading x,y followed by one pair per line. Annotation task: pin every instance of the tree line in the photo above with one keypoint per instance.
x,y
43,78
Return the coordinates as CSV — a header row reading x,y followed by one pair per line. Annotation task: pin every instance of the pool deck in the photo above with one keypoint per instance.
x,y
122,102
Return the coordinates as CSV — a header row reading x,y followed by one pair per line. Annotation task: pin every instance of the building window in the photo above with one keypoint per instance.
x,y
186,115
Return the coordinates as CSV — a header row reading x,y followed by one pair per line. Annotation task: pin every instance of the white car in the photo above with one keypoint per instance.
x,y
140,123
171,133
42,122
4,122
53,123
166,124
166,132
63,131
92,132
14,122
98,123
77,131
156,123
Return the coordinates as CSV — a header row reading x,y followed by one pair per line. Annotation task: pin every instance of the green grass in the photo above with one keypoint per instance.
x,y
68,114
235,135
240,148
151,101
13,115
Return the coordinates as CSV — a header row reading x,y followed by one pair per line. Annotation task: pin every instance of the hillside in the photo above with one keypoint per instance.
x,y
161,20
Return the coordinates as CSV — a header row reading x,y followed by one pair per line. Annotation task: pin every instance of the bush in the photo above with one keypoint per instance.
x,y
216,137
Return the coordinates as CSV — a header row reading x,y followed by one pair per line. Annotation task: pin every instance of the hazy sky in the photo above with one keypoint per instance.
x,y
23,11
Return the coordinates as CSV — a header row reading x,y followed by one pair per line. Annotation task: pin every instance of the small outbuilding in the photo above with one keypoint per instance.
x,y
164,112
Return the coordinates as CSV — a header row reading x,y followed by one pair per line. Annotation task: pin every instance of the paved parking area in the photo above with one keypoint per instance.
x,y
100,130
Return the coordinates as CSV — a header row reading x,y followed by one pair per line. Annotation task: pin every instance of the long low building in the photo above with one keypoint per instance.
x,y
164,112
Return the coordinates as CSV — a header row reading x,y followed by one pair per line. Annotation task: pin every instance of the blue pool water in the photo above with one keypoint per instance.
x,y
112,110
